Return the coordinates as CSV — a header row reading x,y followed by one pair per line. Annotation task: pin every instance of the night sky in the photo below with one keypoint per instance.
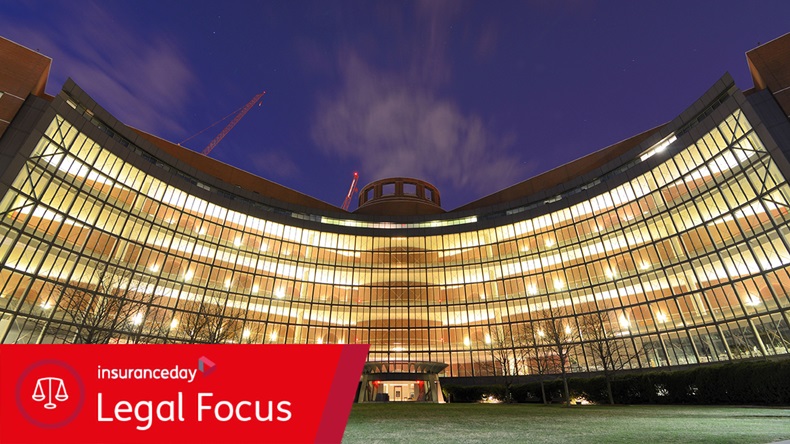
x,y
470,96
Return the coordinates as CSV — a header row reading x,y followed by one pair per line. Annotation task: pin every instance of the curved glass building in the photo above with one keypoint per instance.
x,y
676,243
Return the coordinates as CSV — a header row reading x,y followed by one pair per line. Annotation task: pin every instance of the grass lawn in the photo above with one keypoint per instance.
x,y
529,423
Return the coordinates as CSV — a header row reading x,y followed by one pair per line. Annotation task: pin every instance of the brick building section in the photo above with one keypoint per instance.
x,y
22,72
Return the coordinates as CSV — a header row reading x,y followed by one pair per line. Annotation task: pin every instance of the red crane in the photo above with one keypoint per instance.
x,y
351,190
232,123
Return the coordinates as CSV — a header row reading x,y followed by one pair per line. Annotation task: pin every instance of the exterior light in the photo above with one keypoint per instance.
x,y
488,338
567,329
467,342
154,267
525,248
661,317
227,283
273,336
46,305
320,340
549,243
532,289
483,297
624,322
237,242
246,334
201,231
255,288
341,340
644,265
189,275
174,324
610,273
279,293
541,333
137,319
558,284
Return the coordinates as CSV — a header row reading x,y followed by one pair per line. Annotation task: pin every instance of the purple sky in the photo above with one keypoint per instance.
x,y
470,96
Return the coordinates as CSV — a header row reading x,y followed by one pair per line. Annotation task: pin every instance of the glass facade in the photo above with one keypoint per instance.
x,y
683,262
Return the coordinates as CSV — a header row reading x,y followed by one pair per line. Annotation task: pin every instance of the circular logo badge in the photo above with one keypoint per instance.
x,y
50,394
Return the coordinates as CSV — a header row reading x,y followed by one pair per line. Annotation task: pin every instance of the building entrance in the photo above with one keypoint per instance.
x,y
401,382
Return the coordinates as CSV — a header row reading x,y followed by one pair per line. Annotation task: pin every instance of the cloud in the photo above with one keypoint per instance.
x,y
142,79
275,163
395,128
395,122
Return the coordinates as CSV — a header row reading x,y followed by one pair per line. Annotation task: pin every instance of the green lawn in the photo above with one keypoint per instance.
x,y
528,423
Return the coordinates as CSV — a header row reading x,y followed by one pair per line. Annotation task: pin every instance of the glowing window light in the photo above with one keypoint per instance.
x,y
567,329
532,289
273,336
46,305
189,275
611,273
237,242
482,297
319,340
752,300
541,333
525,248
255,288
558,284
661,317
467,342
341,340
644,265
137,319
174,324
658,148
488,338
279,293
246,334
624,322
550,242
227,283
154,267
201,231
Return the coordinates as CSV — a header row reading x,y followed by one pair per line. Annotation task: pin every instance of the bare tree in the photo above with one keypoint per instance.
x,y
606,348
100,312
535,358
561,337
213,320
506,360
154,327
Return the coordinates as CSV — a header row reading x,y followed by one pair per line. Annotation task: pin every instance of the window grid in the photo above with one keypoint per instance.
x,y
685,263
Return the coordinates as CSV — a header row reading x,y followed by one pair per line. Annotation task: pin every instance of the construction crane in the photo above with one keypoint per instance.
x,y
351,190
241,112
232,123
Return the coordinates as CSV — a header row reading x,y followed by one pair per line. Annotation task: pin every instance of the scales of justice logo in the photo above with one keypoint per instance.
x,y
43,391
50,394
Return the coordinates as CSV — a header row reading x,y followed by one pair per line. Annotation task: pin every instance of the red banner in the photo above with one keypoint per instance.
x,y
177,393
